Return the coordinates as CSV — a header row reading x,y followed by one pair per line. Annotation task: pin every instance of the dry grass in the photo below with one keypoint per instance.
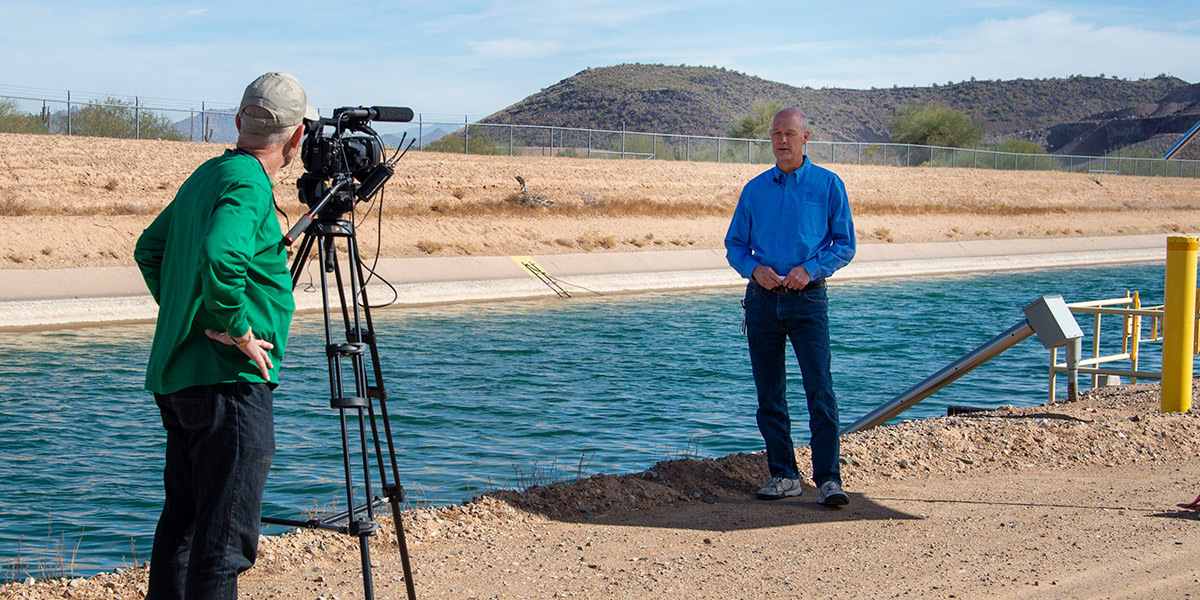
x,y
10,207
591,241
429,246
111,185
1000,210
510,206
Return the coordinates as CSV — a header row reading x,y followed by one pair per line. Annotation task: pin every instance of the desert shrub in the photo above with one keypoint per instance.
x,y
116,119
931,124
481,143
756,124
1020,146
12,120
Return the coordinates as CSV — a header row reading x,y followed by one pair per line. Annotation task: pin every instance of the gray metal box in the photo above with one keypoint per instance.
x,y
1052,321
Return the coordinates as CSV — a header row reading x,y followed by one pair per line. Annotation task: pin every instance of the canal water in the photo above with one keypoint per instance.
x,y
485,396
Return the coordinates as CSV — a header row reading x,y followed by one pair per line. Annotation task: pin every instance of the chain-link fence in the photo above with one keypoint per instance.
x,y
33,110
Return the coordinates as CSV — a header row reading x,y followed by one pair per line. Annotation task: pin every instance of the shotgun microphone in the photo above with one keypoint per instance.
x,y
388,114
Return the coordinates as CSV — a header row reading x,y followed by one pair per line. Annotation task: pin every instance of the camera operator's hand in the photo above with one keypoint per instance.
x,y
251,346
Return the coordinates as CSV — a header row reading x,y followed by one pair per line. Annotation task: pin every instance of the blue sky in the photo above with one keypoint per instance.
x,y
475,57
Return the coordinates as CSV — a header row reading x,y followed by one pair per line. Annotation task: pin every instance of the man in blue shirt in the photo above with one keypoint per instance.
x,y
791,230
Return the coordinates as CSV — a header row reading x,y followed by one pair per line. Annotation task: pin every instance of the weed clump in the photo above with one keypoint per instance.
x,y
429,246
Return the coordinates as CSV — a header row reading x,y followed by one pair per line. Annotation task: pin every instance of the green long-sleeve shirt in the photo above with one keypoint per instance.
x,y
214,258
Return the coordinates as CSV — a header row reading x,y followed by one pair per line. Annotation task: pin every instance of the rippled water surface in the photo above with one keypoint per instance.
x,y
497,395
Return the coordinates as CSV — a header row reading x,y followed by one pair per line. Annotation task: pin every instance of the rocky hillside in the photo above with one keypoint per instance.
x,y
708,100
1145,129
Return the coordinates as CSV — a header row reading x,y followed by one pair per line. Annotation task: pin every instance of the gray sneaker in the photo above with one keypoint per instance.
x,y
780,487
830,494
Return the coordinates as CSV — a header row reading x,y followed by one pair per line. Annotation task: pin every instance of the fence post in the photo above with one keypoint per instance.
x,y
689,148
622,140
68,112
466,135
510,139
589,143
718,149
420,131
137,119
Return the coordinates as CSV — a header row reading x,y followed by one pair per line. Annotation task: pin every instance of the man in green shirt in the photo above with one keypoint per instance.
x,y
215,263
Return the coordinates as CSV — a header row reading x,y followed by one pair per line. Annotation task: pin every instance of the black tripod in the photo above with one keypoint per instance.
x,y
346,360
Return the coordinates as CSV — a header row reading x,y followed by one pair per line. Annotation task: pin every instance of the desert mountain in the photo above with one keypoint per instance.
x,y
1072,114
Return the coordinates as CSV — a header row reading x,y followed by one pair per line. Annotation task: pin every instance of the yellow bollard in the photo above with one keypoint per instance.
x,y
1179,315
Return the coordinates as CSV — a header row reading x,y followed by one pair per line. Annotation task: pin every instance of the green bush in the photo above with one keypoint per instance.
x,y
481,143
1020,146
117,119
756,125
12,120
931,124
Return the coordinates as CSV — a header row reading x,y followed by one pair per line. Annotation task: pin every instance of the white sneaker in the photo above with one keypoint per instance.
x,y
780,487
830,494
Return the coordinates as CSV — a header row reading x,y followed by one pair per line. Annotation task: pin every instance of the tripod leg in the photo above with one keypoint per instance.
x,y
393,491
359,526
403,543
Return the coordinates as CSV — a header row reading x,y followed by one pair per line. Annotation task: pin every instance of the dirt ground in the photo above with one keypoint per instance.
x,y
1071,500
76,202
1076,500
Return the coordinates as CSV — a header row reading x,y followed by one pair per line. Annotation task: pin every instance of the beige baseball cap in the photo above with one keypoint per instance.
x,y
283,96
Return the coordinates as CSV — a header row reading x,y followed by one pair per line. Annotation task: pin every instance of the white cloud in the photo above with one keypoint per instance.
x,y
1049,44
513,49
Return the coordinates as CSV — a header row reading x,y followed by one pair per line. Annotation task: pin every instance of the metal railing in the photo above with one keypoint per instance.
x,y
201,121
1131,311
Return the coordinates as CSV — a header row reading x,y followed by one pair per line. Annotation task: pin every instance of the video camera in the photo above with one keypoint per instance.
x,y
344,162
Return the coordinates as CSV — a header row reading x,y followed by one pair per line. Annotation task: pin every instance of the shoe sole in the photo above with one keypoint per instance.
x,y
836,500
781,497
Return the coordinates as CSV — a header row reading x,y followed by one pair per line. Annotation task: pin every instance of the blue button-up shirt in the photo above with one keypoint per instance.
x,y
787,220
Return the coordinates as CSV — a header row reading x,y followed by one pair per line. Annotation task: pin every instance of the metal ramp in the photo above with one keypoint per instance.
x,y
1048,317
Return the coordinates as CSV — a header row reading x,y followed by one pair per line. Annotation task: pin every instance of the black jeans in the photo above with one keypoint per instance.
x,y
220,443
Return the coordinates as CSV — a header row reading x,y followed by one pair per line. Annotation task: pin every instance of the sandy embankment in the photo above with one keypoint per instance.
x,y
1072,500
79,203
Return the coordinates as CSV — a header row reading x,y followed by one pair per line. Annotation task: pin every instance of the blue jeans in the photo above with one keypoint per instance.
x,y
773,318
220,443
